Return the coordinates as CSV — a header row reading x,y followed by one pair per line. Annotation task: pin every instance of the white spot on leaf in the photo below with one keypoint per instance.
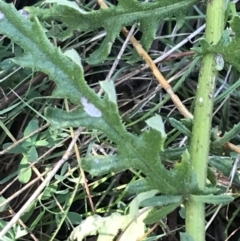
x,y
24,13
96,160
200,99
2,15
219,62
91,109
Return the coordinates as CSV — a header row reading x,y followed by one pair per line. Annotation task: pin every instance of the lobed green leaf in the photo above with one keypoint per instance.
x,y
212,199
94,112
148,14
161,201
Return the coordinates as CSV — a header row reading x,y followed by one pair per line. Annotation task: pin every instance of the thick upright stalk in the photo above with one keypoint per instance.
x,y
195,212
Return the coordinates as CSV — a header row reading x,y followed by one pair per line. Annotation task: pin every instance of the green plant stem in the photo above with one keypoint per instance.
x,y
195,211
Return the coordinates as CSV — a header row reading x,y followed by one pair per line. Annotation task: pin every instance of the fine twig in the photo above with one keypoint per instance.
x,y
163,56
114,66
